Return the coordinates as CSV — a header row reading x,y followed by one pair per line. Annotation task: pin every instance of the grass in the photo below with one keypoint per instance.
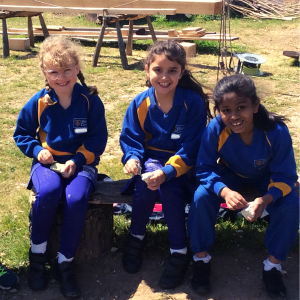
x,y
21,78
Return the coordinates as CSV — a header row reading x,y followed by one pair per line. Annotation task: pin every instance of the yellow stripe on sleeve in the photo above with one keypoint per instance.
x,y
89,156
223,137
142,113
41,107
268,139
177,162
285,189
88,102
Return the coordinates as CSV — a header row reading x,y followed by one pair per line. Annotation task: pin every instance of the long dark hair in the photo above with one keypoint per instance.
x,y
175,52
243,86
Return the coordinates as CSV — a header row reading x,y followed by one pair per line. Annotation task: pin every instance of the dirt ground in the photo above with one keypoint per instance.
x,y
235,276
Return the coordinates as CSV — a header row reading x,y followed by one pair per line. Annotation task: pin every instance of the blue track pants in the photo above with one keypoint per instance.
x,y
51,188
281,233
171,195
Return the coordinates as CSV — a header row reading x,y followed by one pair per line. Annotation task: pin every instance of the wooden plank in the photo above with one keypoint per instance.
x,y
99,44
209,36
151,29
205,7
69,32
44,27
137,26
121,47
172,32
30,32
190,29
50,27
82,10
5,39
129,43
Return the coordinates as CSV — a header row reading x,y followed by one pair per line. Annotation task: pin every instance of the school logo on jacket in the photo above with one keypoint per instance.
x,y
177,132
80,125
261,163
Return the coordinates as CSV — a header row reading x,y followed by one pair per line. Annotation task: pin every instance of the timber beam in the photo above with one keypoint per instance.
x,y
82,10
204,7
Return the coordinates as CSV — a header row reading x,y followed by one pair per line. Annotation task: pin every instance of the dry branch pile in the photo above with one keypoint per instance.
x,y
266,9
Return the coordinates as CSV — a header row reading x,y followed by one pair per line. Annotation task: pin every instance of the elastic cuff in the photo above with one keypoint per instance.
x,y
170,171
132,157
79,160
218,187
37,150
275,193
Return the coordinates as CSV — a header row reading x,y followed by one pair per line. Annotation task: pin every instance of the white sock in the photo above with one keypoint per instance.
x,y
141,237
269,265
38,248
181,251
206,259
62,258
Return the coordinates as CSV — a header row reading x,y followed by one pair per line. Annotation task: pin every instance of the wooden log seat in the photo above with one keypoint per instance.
x,y
97,234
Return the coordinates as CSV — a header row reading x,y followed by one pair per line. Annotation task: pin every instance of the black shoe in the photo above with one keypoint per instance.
x,y
274,284
200,281
37,279
68,283
8,278
173,275
132,255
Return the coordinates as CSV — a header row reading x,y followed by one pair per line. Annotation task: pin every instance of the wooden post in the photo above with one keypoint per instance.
x,y
44,27
151,29
121,47
30,32
129,39
5,39
99,43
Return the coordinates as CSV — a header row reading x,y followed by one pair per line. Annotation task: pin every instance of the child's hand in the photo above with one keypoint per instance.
x,y
158,177
69,169
130,167
233,199
45,157
259,204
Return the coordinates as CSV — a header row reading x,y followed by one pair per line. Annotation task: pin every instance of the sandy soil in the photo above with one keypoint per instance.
x,y
235,276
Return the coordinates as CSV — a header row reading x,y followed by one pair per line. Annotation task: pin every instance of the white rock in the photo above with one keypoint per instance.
x,y
146,176
248,211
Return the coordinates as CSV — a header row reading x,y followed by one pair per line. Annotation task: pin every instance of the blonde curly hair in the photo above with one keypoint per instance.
x,y
60,52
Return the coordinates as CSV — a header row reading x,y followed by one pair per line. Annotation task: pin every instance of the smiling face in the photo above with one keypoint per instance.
x,y
237,113
62,80
164,75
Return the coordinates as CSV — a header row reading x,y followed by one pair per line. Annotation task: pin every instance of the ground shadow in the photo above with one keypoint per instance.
x,y
29,55
205,67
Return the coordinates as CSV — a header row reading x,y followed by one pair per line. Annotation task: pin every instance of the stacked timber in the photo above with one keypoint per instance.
x,y
187,32
192,32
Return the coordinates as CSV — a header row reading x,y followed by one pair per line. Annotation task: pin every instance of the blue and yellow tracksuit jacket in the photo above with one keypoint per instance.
x,y
77,133
270,155
150,133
